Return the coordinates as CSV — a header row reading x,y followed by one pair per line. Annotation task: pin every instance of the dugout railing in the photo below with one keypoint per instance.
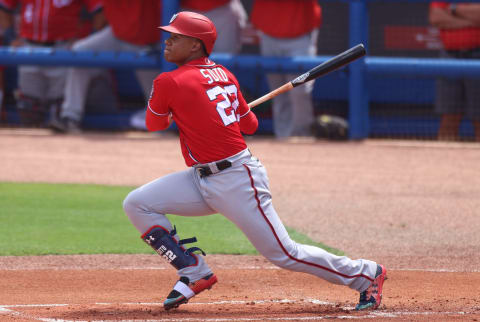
x,y
357,73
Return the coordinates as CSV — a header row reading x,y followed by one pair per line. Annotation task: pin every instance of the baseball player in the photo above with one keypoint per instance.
x,y
296,35
131,28
46,24
205,101
228,15
459,25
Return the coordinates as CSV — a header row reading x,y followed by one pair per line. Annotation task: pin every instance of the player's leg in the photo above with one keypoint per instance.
x,y
282,115
301,96
78,79
472,101
252,211
30,96
146,207
449,103
281,105
54,93
229,19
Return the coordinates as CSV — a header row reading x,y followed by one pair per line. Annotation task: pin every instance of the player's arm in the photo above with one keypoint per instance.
x,y
469,11
248,122
247,119
155,122
444,19
95,9
158,116
99,21
5,19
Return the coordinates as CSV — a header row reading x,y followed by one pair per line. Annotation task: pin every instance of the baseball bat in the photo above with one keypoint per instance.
x,y
324,68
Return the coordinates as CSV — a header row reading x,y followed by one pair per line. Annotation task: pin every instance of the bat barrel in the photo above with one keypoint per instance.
x,y
326,67
332,64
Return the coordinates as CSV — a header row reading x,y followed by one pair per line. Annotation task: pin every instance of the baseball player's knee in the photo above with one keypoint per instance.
x,y
132,204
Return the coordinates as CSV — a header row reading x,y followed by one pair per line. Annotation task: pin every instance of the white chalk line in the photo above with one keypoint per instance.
x,y
9,310
127,268
147,268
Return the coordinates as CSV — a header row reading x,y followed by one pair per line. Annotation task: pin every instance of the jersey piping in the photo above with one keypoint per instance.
x,y
252,183
211,63
190,153
245,113
159,114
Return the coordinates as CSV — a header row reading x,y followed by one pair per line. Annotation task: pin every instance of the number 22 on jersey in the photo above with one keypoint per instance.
x,y
225,108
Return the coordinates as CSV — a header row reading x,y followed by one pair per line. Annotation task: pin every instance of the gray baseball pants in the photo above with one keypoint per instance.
x,y
241,193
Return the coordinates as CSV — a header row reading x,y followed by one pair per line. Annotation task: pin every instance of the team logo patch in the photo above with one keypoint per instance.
x,y
173,17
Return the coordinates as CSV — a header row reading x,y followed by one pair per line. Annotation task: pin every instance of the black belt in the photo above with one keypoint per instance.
x,y
205,170
41,43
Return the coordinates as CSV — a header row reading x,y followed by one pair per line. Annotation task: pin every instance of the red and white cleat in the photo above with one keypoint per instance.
x,y
184,290
372,296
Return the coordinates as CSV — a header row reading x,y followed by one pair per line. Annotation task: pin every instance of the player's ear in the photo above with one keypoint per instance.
x,y
199,46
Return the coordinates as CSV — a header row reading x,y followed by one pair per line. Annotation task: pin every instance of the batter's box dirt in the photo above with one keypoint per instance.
x,y
240,295
224,312
199,312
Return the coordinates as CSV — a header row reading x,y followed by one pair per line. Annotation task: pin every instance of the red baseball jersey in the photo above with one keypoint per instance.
x,y
51,20
204,5
206,104
286,18
458,39
134,21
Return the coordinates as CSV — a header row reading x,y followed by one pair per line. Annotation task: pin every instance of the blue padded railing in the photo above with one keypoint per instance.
x,y
358,71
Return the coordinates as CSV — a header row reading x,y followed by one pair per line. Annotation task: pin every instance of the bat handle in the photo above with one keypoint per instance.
x,y
282,89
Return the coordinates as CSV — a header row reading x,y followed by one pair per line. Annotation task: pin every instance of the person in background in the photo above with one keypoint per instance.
x,y
459,25
46,24
5,25
289,28
132,27
230,17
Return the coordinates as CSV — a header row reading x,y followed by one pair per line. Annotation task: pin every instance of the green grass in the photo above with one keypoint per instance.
x,y
41,219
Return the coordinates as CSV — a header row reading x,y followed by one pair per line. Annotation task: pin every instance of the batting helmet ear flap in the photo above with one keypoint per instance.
x,y
194,25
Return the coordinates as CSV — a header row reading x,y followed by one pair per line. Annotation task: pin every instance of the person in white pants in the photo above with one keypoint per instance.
x,y
205,101
132,27
289,28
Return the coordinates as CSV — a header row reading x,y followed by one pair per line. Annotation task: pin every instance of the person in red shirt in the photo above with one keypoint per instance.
x,y
205,101
132,27
459,25
289,28
46,24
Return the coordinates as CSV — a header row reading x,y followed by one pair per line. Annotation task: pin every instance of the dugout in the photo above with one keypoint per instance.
x,y
389,93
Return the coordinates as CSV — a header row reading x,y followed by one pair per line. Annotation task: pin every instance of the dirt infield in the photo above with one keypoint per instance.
x,y
410,205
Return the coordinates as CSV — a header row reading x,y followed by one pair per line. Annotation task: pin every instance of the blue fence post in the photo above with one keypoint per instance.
x,y
169,8
357,92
